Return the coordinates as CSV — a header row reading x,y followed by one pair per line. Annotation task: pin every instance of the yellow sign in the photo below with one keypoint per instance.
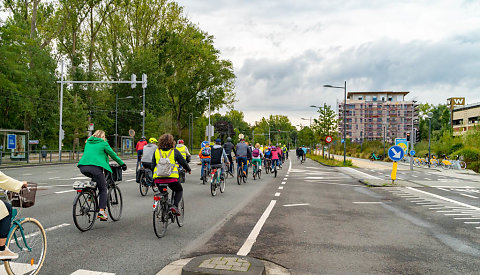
x,y
394,171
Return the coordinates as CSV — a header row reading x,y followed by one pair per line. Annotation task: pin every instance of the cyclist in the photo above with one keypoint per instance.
x,y
94,161
229,147
280,156
183,150
218,156
268,156
304,151
285,151
166,150
300,153
13,185
139,148
275,157
205,157
242,154
257,156
148,152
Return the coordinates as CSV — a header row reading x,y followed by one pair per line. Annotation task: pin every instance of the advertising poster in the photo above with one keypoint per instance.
x,y
19,152
127,145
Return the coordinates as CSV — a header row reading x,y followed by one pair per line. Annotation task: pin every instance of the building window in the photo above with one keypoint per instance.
x,y
374,98
390,98
360,98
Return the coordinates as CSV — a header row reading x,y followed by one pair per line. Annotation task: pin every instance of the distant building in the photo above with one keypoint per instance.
x,y
465,118
368,113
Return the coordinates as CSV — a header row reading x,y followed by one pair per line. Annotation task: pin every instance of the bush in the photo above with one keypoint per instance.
x,y
475,166
469,154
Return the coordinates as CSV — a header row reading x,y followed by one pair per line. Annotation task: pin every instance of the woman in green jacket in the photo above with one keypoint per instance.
x,y
94,161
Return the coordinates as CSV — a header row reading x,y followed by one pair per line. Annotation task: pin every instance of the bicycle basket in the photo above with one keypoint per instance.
x,y
116,172
26,197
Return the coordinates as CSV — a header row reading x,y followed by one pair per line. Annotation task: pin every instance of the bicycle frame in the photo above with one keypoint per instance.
x,y
18,223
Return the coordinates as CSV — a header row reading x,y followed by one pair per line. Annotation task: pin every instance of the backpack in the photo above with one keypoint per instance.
x,y
256,153
206,151
164,167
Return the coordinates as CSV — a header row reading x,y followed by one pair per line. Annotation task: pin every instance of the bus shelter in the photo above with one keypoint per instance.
x,y
15,141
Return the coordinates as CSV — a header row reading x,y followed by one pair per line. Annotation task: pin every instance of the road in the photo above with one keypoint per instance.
x,y
311,219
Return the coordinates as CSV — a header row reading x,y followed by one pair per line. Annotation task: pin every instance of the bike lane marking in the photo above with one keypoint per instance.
x,y
445,199
89,272
66,191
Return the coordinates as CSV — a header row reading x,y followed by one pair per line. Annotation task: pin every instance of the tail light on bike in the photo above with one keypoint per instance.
x,y
79,191
165,189
157,198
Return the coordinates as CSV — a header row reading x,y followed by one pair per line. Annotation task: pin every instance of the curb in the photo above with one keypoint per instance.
x,y
178,267
388,183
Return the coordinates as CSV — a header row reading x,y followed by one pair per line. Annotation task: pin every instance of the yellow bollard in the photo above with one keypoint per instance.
x,y
394,172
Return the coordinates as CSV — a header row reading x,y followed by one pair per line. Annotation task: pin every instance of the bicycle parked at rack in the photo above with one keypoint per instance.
x,y
85,204
162,215
216,181
27,236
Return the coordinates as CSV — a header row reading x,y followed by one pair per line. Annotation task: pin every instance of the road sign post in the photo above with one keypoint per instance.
x,y
395,153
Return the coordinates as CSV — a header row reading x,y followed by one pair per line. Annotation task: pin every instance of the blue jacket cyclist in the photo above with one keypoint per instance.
x,y
166,149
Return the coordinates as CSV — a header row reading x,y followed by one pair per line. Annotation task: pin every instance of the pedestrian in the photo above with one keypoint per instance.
x,y
44,152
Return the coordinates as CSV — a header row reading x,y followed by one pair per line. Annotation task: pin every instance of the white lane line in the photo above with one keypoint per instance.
x,y
66,191
296,204
46,230
361,173
367,202
443,189
53,178
277,194
79,178
470,196
426,179
471,218
131,180
457,214
289,166
445,199
283,182
285,179
471,222
314,178
280,187
252,238
414,176
27,174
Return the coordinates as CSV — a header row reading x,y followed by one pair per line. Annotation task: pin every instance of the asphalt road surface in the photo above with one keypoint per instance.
x,y
310,219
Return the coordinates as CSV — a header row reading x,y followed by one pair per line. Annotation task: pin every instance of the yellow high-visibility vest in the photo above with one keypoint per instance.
x,y
164,154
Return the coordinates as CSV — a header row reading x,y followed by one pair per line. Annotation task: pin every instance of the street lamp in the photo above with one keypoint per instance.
x,y
308,119
430,115
116,117
344,119
190,133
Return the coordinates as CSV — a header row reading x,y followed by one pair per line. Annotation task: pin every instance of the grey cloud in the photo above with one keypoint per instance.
x,y
431,70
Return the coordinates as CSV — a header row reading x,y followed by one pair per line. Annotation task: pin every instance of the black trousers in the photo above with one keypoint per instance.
x,y
177,188
96,174
5,222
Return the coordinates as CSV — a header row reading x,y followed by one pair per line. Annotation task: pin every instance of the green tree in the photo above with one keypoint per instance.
x,y
327,122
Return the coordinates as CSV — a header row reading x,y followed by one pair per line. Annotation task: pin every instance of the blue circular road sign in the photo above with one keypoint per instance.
x,y
412,152
396,153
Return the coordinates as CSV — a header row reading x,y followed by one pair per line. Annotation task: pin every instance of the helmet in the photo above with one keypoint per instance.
x,y
241,136
153,140
273,147
218,141
229,139
180,141
143,137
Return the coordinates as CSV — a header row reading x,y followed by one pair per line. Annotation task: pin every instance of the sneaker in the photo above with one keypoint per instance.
x,y
175,210
8,255
102,216
201,178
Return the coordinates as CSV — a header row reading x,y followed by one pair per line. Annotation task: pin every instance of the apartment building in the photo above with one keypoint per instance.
x,y
371,115
465,118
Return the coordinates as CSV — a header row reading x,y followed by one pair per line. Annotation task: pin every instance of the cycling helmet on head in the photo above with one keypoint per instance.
x,y
180,141
273,147
229,139
153,140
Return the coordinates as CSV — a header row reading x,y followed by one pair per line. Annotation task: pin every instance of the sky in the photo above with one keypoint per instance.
x,y
283,52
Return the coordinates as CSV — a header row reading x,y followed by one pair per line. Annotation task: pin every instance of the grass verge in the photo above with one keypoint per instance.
x,y
330,162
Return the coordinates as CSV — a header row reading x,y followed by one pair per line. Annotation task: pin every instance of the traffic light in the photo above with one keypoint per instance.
x,y
408,136
417,136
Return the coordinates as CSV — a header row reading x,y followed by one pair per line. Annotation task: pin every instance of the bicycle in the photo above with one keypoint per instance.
x,y
240,175
206,171
85,204
256,172
162,215
216,181
26,237
268,165
146,182
275,168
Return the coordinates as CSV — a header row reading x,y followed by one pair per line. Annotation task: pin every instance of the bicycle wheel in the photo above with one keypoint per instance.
x,y
29,261
204,178
222,185
115,203
254,174
463,164
143,186
181,207
213,185
275,171
239,176
85,210
160,220
259,173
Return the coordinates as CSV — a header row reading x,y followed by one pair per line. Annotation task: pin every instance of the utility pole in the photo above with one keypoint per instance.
x,y
60,131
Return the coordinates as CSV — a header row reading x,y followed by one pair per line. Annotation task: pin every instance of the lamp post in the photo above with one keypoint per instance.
x,y
190,133
430,115
308,119
116,117
344,119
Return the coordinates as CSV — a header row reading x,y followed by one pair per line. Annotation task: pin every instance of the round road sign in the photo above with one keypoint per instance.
x,y
328,139
131,132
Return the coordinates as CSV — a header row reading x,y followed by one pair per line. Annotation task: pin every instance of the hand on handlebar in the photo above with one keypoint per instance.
x,y
24,184
124,167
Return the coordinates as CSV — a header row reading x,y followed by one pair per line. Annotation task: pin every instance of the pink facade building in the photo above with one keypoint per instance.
x,y
371,115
